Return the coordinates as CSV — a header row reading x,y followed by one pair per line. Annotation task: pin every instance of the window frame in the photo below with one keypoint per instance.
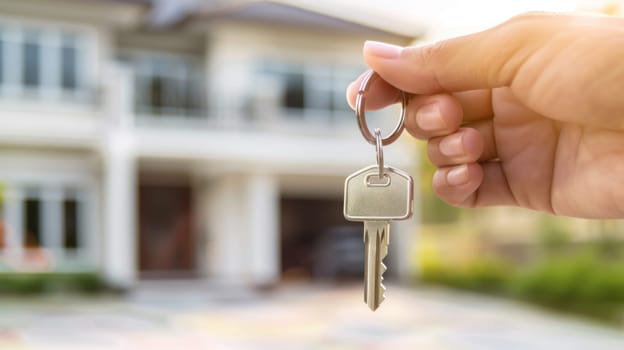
x,y
324,86
51,197
182,67
50,42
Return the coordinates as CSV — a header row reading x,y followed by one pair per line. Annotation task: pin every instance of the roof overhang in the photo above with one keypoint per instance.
x,y
311,14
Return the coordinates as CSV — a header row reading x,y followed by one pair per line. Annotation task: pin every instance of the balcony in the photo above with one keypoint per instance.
x,y
173,93
261,134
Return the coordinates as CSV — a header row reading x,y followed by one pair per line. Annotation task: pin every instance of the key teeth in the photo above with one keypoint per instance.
x,y
382,297
382,269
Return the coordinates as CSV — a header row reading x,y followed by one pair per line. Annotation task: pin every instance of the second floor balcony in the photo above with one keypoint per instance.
x,y
285,116
180,92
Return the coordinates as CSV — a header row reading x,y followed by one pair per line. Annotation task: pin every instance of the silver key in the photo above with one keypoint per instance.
x,y
376,201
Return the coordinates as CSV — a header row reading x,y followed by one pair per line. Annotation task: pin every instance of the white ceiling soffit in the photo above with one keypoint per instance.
x,y
323,13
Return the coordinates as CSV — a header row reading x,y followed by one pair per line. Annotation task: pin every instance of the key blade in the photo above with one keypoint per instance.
x,y
376,238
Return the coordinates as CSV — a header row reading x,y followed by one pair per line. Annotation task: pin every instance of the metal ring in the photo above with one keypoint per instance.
x,y
360,112
379,151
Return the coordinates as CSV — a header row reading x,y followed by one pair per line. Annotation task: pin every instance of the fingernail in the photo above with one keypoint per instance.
x,y
458,175
382,50
452,146
351,86
429,118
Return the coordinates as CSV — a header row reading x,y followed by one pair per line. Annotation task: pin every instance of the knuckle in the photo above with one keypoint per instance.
x,y
530,26
431,53
529,17
430,57
522,35
433,150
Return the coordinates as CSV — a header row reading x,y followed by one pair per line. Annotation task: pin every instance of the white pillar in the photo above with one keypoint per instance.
x,y
119,237
263,228
226,230
243,230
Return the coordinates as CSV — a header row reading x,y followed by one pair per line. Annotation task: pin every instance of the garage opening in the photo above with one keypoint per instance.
x,y
317,243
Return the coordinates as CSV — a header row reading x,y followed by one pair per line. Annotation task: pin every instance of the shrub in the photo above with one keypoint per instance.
x,y
567,280
488,276
589,284
37,283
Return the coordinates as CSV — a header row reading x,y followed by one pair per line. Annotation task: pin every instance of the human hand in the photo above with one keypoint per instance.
x,y
529,113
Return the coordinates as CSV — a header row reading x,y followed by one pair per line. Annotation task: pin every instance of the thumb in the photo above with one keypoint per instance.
x,y
487,59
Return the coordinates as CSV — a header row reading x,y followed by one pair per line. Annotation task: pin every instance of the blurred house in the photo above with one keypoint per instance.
x,y
180,138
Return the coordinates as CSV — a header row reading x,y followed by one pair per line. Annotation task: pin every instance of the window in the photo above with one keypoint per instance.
x,y
70,223
167,85
31,53
311,91
48,224
195,92
155,94
37,59
32,222
51,219
294,94
69,63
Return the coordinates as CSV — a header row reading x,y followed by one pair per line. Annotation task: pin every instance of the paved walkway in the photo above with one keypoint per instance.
x,y
192,317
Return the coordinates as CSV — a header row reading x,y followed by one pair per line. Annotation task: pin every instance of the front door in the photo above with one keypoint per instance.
x,y
166,239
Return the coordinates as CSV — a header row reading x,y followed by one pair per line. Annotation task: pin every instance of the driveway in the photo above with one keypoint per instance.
x,y
188,316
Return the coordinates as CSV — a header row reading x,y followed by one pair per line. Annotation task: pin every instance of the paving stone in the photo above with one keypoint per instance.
x,y
293,317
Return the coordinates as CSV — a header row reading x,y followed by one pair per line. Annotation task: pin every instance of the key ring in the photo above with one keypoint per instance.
x,y
379,151
360,112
